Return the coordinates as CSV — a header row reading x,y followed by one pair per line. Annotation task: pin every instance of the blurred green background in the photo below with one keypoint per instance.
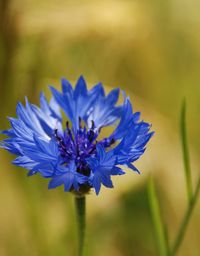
x,y
150,49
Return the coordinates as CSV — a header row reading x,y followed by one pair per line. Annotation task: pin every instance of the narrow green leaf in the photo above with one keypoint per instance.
x,y
185,150
192,198
185,220
160,229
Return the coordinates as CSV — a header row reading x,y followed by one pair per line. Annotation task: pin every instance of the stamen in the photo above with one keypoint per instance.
x,y
93,125
79,119
91,135
56,135
69,131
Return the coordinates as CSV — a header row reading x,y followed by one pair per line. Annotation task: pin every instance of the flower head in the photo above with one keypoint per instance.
x,y
72,154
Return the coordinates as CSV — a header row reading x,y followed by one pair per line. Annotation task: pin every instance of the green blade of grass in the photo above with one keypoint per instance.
x,y
160,229
185,220
185,150
191,198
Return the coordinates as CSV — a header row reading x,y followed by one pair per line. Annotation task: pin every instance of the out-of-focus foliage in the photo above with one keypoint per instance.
x,y
148,48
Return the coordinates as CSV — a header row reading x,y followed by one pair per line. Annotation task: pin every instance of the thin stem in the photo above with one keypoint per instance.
x,y
185,150
160,229
185,220
80,211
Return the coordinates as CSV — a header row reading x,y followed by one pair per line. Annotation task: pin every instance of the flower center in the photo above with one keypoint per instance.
x,y
77,145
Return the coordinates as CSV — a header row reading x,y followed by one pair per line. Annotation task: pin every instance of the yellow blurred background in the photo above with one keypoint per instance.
x,y
150,49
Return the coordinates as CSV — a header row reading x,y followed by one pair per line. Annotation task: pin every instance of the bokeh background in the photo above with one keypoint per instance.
x,y
150,49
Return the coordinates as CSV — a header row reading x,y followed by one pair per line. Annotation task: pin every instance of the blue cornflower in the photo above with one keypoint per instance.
x,y
72,154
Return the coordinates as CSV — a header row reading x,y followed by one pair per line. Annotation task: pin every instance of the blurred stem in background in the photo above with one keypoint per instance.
x,y
157,220
9,44
160,230
9,34
186,158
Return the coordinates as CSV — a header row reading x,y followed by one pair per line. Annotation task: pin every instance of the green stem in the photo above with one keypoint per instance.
x,y
185,150
185,220
80,210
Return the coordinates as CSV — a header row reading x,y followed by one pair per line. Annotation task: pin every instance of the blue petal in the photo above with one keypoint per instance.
x,y
50,110
132,167
66,86
57,181
101,166
117,171
96,182
80,89
113,96
68,177
25,162
65,102
11,147
127,118
31,173
8,132
69,181
44,104
20,129
98,90
104,111
132,146
106,181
